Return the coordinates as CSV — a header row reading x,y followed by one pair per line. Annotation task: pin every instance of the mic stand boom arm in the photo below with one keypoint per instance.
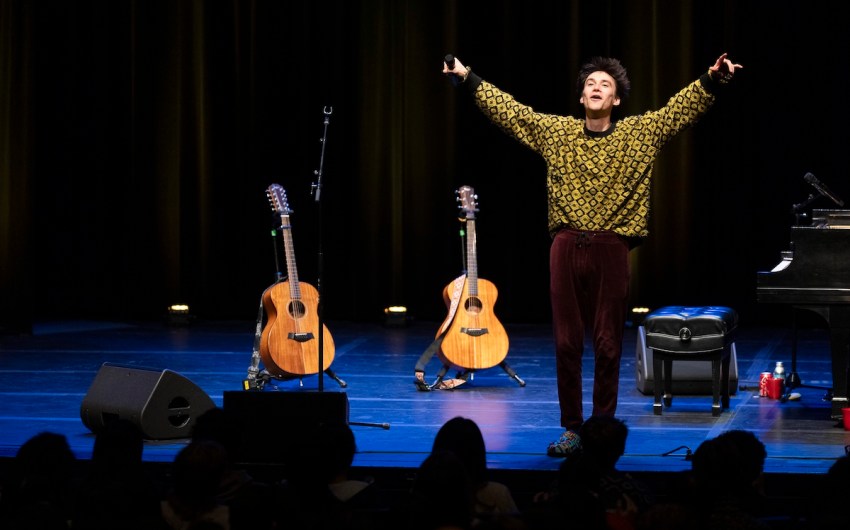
x,y
798,208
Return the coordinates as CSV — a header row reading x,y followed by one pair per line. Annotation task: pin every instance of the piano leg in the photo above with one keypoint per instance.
x,y
792,379
839,338
837,318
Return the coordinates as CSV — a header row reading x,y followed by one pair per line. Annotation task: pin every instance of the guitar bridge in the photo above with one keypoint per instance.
x,y
301,337
474,332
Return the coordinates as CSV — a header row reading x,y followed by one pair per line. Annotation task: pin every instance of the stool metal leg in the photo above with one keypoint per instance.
x,y
668,382
724,376
657,374
715,387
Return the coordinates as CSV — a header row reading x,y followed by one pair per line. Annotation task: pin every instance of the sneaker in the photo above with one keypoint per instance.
x,y
568,444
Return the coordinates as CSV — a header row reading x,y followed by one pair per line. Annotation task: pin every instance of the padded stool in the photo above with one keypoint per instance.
x,y
679,333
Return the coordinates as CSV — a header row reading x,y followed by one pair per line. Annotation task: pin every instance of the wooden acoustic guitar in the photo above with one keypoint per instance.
x,y
475,339
289,344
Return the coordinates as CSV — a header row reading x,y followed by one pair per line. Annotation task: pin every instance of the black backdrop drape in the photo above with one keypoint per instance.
x,y
137,139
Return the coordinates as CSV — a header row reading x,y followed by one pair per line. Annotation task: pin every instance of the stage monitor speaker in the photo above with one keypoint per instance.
x,y
162,403
689,377
275,423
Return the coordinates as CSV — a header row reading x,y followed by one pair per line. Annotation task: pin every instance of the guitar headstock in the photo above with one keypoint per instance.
x,y
277,198
467,198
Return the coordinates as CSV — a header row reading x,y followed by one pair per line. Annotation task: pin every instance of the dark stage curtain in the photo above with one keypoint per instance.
x,y
137,139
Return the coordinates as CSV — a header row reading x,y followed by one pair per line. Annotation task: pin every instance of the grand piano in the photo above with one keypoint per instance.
x,y
814,275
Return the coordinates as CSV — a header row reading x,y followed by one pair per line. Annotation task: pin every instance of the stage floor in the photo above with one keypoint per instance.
x,y
45,376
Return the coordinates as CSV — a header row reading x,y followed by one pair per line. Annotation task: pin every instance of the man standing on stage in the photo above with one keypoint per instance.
x,y
598,185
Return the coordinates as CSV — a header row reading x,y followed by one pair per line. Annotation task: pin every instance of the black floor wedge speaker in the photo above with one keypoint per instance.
x,y
162,403
276,423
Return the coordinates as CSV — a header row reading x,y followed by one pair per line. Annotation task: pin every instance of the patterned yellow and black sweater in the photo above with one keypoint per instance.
x,y
596,181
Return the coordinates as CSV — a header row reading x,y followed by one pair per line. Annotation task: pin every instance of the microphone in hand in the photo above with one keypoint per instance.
x,y
822,189
450,64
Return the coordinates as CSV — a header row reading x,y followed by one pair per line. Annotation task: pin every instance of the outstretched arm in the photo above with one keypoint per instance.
x,y
723,69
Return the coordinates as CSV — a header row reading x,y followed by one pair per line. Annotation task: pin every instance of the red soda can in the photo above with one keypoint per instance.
x,y
763,379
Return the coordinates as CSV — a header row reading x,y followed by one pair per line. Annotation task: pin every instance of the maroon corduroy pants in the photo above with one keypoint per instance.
x,y
589,288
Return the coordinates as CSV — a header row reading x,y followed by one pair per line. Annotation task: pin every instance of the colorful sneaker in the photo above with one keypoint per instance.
x,y
567,444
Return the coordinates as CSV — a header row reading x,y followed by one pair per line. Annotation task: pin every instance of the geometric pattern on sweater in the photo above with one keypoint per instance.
x,y
597,181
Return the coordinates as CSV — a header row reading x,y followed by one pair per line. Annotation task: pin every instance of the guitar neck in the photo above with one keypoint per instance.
x,y
289,252
471,258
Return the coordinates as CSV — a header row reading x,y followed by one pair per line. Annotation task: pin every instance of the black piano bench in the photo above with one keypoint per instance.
x,y
679,333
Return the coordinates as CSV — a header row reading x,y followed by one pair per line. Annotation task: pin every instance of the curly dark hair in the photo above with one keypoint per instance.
x,y
611,67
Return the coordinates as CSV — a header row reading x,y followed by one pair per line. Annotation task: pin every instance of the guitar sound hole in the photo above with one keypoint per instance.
x,y
473,305
296,308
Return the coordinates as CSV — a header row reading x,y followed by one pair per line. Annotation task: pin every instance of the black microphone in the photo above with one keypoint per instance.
x,y
822,189
450,62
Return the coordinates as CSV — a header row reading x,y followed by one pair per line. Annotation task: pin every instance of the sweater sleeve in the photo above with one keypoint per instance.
x,y
517,120
473,80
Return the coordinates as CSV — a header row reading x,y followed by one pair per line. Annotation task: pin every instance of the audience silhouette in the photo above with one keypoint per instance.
x,y
441,496
724,488
727,480
451,490
197,472
463,437
37,492
117,492
590,491
319,491
829,511
250,501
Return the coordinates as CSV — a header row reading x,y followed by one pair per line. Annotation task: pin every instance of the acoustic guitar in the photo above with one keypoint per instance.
x,y
289,344
475,339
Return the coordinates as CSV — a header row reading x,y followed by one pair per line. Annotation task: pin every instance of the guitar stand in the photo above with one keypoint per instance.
x,y
336,378
511,372
440,375
467,375
463,375
259,381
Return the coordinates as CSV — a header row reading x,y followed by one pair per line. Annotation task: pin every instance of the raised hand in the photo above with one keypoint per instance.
x,y
723,69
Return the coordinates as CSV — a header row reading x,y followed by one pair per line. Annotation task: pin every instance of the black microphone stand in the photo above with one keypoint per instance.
x,y
316,190
797,209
